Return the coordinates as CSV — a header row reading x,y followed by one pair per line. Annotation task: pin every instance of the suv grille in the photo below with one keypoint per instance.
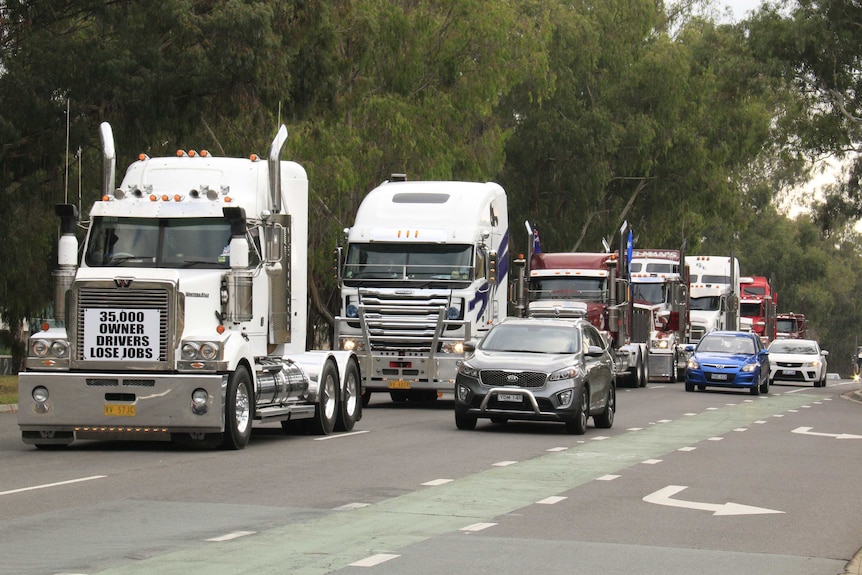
x,y
500,378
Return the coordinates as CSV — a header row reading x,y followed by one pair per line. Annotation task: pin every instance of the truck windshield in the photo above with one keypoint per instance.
x,y
709,303
164,243
577,288
370,263
651,293
750,310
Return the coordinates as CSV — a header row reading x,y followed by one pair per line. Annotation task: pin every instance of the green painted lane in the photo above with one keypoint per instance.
x,y
340,538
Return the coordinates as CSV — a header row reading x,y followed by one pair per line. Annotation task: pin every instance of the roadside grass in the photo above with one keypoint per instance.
x,y
8,389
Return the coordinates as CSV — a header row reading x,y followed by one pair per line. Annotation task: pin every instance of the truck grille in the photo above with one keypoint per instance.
x,y
104,297
415,322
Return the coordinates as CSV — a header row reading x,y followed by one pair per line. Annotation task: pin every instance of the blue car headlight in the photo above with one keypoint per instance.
x,y
749,367
692,364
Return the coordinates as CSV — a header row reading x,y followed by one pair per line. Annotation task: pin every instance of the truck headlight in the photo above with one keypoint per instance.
x,y
350,344
189,350
658,344
351,311
209,350
40,347
60,348
452,347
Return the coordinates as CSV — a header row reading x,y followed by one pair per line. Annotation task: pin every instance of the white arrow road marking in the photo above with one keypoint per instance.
x,y
663,497
807,431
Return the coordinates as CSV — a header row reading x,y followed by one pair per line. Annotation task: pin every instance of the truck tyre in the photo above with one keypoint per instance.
x,y
643,370
366,397
239,410
326,412
578,424
350,405
605,420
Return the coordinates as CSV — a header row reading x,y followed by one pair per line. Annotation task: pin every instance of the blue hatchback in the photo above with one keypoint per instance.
x,y
729,359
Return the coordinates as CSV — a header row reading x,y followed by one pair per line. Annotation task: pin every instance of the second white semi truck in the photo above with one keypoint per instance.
x,y
424,269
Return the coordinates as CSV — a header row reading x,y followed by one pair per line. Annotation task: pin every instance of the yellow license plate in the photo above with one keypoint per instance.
x,y
120,410
399,384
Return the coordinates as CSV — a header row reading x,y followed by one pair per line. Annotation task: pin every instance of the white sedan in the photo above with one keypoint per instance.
x,y
797,361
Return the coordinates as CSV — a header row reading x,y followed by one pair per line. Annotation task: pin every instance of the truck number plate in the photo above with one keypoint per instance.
x,y
112,409
719,377
509,397
399,384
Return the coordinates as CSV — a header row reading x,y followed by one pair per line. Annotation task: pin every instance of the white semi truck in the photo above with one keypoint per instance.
x,y
424,269
714,287
185,317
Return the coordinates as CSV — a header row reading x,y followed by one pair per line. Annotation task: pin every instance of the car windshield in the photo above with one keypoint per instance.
x,y
726,344
793,347
532,339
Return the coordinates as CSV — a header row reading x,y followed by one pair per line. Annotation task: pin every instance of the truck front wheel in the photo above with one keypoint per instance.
x,y
238,411
325,412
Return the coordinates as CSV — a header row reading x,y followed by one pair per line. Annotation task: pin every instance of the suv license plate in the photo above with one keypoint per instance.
x,y
509,397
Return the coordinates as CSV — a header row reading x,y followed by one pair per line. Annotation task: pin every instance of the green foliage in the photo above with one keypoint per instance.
x,y
588,112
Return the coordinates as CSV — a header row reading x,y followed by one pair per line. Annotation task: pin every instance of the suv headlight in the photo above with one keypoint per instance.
x,y
468,370
567,373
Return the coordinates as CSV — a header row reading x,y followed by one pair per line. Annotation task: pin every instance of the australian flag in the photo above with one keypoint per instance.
x,y
537,243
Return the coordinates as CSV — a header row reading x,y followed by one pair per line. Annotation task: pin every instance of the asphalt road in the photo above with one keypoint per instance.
x,y
706,482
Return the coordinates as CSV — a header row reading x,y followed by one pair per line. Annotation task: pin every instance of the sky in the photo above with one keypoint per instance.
x,y
741,8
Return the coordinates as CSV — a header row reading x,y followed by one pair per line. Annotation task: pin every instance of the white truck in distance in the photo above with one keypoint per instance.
x,y
424,270
713,294
185,318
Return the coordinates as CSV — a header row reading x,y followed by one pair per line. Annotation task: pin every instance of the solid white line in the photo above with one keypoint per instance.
x,y
374,560
504,463
11,491
229,536
325,437
607,477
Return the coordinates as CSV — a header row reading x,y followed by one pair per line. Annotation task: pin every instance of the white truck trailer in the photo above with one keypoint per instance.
x,y
185,318
424,269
